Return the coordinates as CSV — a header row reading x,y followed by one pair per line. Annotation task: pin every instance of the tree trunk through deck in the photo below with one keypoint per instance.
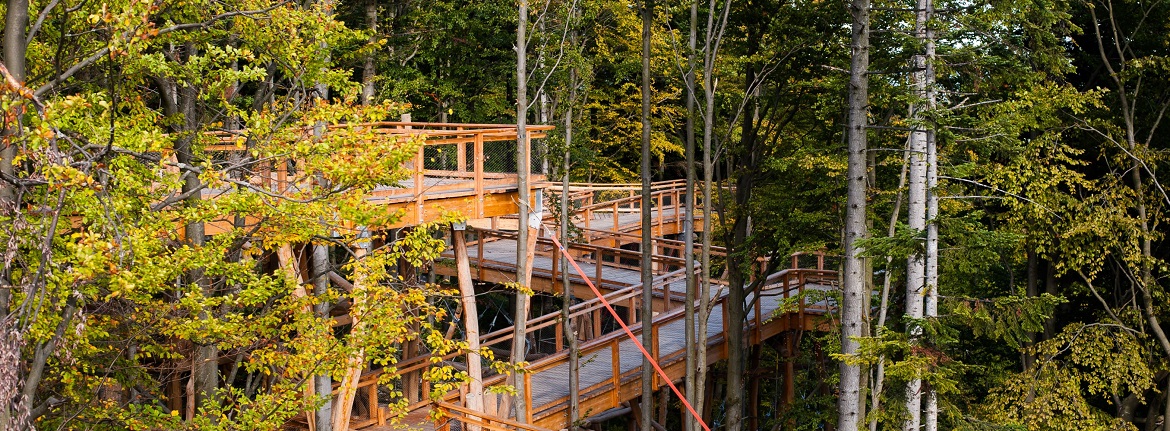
x,y
343,404
288,264
647,407
523,251
470,322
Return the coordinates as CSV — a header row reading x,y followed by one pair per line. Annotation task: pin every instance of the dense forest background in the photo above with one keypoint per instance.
x,y
1047,120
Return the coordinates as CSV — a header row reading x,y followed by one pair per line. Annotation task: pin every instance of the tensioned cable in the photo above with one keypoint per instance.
x,y
625,328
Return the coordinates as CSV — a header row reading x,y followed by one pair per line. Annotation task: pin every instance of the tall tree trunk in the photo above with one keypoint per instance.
x,y
567,293
205,366
883,308
647,318
322,383
470,322
519,333
368,68
356,362
689,320
853,286
916,263
15,46
930,415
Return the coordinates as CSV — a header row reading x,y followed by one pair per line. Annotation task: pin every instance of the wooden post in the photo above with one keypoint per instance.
x,y
653,348
597,253
479,177
528,397
616,370
461,154
474,399
596,323
616,224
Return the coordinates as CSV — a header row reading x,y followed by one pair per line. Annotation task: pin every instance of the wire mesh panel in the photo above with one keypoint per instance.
x,y
499,157
443,157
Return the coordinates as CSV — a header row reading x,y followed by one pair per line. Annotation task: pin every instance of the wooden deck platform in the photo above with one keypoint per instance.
x,y
451,172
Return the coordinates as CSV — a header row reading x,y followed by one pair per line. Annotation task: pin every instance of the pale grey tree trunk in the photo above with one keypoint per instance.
x,y
322,383
369,70
647,317
930,414
519,340
470,322
567,294
916,263
853,285
689,320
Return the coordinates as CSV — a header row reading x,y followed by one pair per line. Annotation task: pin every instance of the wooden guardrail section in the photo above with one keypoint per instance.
x,y
452,164
780,304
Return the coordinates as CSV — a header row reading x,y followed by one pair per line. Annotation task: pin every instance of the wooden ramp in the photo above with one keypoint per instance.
x,y
610,370
794,299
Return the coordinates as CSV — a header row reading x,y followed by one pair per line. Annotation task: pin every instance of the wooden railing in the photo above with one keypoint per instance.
x,y
462,164
487,422
789,283
601,257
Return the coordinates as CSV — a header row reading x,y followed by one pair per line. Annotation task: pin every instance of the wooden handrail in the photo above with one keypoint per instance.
x,y
486,419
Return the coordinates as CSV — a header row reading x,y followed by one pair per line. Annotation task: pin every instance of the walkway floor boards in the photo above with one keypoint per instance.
x,y
599,361
550,385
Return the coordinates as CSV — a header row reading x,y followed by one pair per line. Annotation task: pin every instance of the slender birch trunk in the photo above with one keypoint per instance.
x,y
689,320
916,263
567,294
369,70
930,417
647,317
519,333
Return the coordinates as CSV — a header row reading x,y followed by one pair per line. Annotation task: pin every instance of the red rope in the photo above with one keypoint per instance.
x,y
630,333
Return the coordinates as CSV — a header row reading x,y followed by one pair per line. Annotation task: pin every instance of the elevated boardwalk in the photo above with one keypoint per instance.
x,y
610,362
470,169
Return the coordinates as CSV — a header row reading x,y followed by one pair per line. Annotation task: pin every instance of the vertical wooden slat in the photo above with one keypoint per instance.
x,y
478,161
616,225
528,397
419,169
597,323
657,380
660,196
479,249
598,254
615,368
560,335
461,148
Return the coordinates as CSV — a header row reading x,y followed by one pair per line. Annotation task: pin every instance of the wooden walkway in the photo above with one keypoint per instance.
x,y
610,362
470,169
